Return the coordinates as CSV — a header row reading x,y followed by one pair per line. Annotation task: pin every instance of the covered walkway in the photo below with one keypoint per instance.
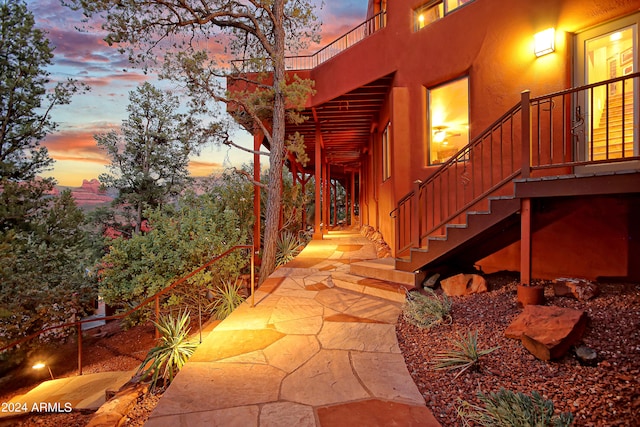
x,y
318,349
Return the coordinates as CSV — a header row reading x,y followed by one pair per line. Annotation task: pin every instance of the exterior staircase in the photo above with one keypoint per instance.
x,y
482,232
469,208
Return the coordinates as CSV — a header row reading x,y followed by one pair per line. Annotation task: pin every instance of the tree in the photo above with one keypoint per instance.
x,y
149,158
261,32
182,238
24,115
44,265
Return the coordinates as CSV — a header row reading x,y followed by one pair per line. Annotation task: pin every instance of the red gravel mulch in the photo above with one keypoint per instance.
x,y
607,394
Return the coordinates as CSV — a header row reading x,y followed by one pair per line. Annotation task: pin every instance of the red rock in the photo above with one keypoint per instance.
x,y
548,331
463,284
581,289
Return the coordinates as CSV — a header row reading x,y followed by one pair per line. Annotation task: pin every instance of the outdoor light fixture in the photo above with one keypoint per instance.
x,y
544,42
41,365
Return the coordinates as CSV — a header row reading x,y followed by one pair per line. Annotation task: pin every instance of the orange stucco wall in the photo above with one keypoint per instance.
x,y
591,239
491,44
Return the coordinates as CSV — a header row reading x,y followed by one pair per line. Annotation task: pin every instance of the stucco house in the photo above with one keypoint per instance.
x,y
497,134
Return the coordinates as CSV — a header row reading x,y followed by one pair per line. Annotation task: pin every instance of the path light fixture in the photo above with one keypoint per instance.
x,y
544,42
41,365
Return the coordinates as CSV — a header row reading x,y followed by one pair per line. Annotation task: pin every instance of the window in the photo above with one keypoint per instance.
x,y
448,120
434,10
386,154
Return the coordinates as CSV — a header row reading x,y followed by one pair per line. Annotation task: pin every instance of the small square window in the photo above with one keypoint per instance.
x,y
427,14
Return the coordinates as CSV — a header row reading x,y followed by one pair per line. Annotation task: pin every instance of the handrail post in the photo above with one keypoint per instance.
x,y
79,327
253,281
526,134
415,219
157,310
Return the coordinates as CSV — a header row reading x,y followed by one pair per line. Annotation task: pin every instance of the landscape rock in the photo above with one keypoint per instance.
x,y
581,289
112,412
586,355
431,281
548,332
463,284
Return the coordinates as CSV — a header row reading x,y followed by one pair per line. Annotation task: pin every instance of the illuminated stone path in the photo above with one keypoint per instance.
x,y
318,349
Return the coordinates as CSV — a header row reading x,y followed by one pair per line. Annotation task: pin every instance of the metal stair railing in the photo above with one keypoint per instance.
x,y
153,298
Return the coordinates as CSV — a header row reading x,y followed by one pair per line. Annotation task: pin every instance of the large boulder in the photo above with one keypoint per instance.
x,y
548,331
463,284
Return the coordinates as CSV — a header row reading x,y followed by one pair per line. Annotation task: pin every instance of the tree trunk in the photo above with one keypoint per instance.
x,y
276,155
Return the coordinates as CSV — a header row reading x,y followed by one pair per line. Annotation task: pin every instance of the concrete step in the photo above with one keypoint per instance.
x,y
369,286
385,269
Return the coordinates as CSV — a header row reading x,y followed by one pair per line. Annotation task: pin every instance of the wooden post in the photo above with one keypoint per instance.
x,y
525,242
326,197
253,280
352,211
526,134
79,326
257,143
157,310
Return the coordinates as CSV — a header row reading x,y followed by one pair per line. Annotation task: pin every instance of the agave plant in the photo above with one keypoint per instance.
x,y
288,246
464,356
508,409
166,359
226,299
428,310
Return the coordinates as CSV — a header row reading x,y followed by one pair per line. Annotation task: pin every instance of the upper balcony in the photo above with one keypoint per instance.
x,y
309,62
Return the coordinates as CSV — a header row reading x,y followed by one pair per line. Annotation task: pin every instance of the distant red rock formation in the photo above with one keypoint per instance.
x,y
90,194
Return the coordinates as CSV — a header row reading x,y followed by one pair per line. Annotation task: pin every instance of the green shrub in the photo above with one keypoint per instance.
x,y
226,299
509,409
288,247
165,360
426,311
464,356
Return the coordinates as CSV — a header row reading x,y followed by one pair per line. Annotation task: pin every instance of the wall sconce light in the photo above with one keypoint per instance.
x,y
544,42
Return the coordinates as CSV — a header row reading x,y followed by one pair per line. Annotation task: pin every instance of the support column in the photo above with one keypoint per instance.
x,y
257,143
326,198
352,208
317,231
525,242
334,188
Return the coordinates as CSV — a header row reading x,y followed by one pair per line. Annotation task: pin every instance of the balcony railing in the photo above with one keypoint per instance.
x,y
308,62
547,135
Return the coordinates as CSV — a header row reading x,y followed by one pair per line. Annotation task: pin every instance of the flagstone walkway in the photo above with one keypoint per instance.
x,y
315,350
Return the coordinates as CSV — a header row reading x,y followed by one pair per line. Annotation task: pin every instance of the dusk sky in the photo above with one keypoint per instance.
x,y
87,58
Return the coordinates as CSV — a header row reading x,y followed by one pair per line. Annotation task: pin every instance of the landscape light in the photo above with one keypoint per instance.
x,y
41,365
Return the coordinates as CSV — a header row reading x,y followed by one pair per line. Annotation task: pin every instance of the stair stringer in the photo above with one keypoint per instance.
x,y
458,236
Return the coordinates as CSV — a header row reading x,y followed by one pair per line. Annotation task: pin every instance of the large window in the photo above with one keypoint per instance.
x,y
433,10
386,153
448,120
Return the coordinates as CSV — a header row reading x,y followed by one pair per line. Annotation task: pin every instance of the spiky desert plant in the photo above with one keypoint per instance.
x,y
427,310
509,409
288,247
465,354
166,359
226,299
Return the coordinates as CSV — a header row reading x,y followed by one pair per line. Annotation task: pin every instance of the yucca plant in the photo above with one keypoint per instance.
x,y
428,310
508,409
464,356
226,299
287,248
165,360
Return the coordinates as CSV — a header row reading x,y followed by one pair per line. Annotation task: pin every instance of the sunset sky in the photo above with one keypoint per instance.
x,y
87,58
